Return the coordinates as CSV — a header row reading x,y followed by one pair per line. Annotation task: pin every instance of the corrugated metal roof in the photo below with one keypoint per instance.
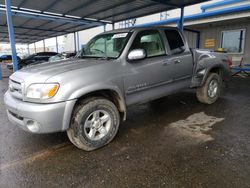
x,y
58,17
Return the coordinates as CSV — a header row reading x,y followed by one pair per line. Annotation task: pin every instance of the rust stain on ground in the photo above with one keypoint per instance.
x,y
36,156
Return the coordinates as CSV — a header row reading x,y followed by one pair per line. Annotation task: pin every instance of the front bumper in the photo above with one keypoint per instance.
x,y
49,118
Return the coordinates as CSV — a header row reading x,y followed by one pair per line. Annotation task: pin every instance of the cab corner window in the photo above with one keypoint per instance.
x,y
175,41
151,42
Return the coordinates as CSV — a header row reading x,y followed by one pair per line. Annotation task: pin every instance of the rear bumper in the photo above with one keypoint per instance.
x,y
48,117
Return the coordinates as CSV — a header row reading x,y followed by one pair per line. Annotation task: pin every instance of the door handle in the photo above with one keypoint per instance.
x,y
176,61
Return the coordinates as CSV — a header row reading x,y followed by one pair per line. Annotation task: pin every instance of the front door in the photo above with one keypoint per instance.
x,y
147,78
181,57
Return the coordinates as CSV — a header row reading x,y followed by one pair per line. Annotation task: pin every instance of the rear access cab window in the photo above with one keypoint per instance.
x,y
175,41
151,42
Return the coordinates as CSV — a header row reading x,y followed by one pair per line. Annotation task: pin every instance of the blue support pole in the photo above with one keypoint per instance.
x,y
181,20
1,75
104,28
11,34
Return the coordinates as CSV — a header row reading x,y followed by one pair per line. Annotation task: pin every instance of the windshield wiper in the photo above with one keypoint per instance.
x,y
105,58
95,57
85,56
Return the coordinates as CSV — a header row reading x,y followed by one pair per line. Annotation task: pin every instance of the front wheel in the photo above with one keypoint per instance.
x,y
210,91
94,124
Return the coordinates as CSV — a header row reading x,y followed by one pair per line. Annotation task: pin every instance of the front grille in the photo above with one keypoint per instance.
x,y
16,116
15,89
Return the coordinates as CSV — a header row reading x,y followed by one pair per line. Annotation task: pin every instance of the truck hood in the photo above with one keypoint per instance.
x,y
39,73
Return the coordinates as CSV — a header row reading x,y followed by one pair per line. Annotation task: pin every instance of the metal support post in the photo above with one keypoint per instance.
x,y
56,45
181,20
43,45
35,47
1,75
11,34
78,41
28,47
75,41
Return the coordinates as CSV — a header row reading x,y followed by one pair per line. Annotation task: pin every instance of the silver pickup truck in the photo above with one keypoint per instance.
x,y
88,96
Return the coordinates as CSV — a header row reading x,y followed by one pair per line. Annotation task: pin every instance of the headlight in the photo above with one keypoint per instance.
x,y
42,91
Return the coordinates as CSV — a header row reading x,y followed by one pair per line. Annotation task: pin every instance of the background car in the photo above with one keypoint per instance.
x,y
7,58
34,58
62,56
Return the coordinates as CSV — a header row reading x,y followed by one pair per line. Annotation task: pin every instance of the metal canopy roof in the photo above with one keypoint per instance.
x,y
32,30
35,20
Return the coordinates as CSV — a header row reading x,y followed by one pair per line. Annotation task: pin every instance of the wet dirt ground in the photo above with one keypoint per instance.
x,y
172,142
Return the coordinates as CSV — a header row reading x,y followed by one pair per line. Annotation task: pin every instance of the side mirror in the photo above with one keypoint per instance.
x,y
137,54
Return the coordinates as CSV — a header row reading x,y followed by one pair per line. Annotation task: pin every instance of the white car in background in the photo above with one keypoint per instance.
x,y
62,56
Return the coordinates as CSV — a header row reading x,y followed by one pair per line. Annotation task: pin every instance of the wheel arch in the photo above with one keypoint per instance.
x,y
112,94
218,69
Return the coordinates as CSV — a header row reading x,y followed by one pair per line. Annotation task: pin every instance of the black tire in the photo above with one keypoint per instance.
x,y
77,132
204,95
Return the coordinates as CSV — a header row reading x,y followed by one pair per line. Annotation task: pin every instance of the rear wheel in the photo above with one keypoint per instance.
x,y
210,91
94,124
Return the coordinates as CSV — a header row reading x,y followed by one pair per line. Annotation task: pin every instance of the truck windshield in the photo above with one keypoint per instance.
x,y
106,46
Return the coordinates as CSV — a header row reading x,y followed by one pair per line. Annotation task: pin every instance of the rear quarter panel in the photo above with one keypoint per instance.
x,y
206,62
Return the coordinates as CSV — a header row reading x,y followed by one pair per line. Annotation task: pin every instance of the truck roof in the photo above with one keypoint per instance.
x,y
132,29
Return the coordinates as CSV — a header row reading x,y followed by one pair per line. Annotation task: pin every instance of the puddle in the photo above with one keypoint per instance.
x,y
194,129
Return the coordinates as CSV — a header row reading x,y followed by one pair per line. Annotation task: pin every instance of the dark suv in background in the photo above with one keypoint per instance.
x,y
8,58
34,58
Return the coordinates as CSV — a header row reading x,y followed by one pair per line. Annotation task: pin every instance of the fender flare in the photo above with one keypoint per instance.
x,y
104,87
200,80
217,66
